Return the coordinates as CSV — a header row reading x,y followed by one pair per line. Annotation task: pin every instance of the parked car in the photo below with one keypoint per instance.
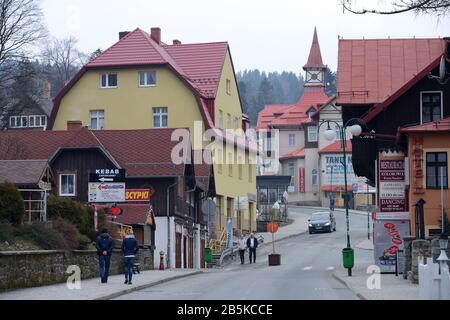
x,y
323,221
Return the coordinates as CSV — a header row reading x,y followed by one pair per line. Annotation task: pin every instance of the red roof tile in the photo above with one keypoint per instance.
x,y
435,126
297,153
315,56
336,147
133,214
143,153
370,71
296,114
25,172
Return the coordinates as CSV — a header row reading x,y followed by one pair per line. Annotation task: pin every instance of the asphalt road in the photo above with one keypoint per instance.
x,y
307,264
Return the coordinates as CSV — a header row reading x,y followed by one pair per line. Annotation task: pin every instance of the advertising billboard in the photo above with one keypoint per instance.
x,y
392,185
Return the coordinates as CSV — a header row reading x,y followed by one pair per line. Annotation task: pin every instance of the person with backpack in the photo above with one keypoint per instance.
x,y
130,247
104,245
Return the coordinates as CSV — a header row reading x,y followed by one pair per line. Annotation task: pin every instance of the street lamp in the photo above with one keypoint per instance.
x,y
355,129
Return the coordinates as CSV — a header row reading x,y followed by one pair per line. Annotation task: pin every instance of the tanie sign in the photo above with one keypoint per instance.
x,y
107,175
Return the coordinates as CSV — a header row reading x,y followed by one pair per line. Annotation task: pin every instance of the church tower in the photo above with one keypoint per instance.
x,y
314,68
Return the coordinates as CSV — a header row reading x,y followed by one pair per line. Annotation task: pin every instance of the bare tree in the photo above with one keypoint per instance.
x,y
437,7
21,28
63,55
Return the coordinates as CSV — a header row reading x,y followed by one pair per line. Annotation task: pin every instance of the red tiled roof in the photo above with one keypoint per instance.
x,y
133,214
435,126
315,56
370,71
336,147
297,153
25,172
296,114
198,65
202,62
142,153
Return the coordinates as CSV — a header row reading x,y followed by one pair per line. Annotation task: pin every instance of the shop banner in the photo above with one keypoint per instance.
x,y
229,232
106,192
301,178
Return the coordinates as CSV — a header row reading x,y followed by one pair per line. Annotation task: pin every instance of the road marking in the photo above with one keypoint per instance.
x,y
307,268
330,268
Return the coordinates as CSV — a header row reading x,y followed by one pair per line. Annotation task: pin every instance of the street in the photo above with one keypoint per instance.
x,y
307,265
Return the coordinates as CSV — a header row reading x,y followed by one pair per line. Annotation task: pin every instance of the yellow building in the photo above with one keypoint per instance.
x,y
141,82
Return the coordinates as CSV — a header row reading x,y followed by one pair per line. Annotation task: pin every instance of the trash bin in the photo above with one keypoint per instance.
x,y
348,257
208,255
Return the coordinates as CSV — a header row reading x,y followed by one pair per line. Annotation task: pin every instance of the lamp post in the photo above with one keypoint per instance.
x,y
330,135
368,211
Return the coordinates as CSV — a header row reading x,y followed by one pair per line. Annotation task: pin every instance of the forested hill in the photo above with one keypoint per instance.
x,y
258,88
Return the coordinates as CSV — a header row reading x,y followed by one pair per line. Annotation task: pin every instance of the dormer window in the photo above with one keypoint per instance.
x,y
431,106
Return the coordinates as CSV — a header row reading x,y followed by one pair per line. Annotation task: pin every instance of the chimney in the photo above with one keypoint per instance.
x,y
46,90
176,42
74,125
155,33
123,34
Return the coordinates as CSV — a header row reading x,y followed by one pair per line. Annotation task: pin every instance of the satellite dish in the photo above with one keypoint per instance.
x,y
442,70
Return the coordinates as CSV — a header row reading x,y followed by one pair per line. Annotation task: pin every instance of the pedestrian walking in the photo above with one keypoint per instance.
x,y
252,244
104,245
242,245
130,247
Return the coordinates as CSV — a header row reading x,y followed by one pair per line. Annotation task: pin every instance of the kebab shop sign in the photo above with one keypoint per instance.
x,y
392,185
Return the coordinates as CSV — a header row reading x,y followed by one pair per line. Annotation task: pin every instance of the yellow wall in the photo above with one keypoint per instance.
x,y
129,106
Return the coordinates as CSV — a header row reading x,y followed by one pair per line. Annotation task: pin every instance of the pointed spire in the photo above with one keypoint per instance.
x,y
315,56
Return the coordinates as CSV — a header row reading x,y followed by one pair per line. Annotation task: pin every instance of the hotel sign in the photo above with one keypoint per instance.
x,y
392,185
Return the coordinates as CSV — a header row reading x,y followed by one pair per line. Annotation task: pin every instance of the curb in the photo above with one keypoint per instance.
x,y
360,296
145,286
361,213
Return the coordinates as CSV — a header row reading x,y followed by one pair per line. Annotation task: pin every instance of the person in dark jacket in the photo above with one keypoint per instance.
x,y
104,245
130,247
252,244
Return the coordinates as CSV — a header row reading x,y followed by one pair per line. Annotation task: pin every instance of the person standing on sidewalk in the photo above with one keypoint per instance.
x,y
242,245
252,244
104,245
130,247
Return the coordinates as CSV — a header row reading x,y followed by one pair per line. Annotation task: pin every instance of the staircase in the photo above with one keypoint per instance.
x,y
217,246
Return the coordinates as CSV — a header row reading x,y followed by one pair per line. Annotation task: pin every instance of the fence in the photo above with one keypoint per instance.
x,y
434,284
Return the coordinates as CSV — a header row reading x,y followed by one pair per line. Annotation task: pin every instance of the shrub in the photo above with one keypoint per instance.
x,y
85,242
68,231
6,232
12,208
43,236
75,212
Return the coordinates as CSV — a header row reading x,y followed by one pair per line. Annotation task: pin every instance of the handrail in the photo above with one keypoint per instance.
x,y
226,253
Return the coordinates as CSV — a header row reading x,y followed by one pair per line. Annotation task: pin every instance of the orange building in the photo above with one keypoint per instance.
x,y
428,153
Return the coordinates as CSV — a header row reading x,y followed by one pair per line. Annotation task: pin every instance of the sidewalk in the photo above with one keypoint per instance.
x,y
92,289
391,287
299,226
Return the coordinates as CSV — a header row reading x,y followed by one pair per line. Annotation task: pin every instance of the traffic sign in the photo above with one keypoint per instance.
x,y
107,175
209,208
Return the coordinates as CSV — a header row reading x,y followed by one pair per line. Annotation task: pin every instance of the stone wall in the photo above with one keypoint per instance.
x,y
22,269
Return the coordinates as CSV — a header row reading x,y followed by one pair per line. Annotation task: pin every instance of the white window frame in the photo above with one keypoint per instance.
x,y
146,73
42,124
74,185
291,135
160,115
107,80
98,117
315,131
315,176
18,122
228,84
442,104
221,119
291,165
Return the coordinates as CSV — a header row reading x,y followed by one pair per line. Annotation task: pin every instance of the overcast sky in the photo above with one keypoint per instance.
x,y
264,34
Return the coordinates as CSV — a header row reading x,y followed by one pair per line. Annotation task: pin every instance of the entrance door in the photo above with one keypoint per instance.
x,y
178,250
185,257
